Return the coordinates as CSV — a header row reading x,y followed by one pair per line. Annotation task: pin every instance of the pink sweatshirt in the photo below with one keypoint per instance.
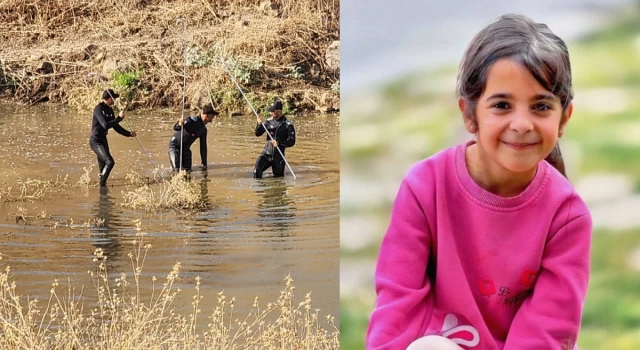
x,y
485,271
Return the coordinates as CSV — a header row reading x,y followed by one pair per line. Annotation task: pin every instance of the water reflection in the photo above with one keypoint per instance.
x,y
106,235
205,200
277,209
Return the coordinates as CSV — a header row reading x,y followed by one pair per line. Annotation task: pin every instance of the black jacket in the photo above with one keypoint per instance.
x,y
194,129
281,130
103,120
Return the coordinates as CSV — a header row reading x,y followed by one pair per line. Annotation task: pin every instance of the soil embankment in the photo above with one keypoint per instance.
x,y
287,50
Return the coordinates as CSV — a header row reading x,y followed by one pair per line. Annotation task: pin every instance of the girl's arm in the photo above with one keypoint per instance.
x,y
550,317
403,307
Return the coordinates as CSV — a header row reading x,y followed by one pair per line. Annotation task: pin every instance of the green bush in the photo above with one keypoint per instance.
x,y
127,82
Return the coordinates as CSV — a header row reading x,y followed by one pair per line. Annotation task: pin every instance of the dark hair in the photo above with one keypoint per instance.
x,y
531,44
208,110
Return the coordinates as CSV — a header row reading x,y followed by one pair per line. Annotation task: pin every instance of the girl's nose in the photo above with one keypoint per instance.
x,y
521,122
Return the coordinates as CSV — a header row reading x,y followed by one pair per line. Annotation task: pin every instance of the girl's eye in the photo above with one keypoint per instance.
x,y
501,105
542,107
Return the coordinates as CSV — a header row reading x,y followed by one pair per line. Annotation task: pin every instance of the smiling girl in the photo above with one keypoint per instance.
x,y
489,244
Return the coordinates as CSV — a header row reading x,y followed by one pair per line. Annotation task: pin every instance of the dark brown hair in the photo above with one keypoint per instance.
x,y
531,44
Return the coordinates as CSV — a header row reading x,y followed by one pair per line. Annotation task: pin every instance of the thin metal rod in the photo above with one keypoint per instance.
x,y
184,80
126,120
256,113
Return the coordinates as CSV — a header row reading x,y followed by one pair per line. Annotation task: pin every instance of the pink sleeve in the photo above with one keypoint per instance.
x,y
550,317
402,308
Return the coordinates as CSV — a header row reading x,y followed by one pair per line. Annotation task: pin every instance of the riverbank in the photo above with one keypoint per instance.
x,y
288,52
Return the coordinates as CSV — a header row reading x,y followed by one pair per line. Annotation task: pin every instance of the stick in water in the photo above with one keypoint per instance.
x,y
184,80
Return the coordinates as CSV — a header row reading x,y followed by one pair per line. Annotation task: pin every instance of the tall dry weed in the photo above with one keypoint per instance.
x,y
31,190
177,193
123,317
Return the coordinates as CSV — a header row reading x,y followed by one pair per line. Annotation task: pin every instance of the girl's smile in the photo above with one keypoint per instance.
x,y
520,146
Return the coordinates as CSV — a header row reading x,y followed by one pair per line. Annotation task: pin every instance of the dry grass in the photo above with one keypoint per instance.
x,y
70,223
85,178
124,318
31,190
133,176
22,216
143,34
177,193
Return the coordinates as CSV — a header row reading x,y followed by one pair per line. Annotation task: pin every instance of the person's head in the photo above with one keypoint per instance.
x,y
208,114
515,92
275,110
109,97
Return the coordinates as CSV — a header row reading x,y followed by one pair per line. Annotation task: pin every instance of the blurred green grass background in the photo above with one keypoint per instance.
x,y
416,116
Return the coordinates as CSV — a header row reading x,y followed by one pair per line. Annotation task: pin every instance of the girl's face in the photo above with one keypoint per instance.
x,y
518,121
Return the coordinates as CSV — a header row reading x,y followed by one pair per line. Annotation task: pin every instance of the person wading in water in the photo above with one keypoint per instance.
x,y
103,120
284,135
194,129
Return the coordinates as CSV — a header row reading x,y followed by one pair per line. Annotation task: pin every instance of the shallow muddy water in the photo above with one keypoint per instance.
x,y
247,238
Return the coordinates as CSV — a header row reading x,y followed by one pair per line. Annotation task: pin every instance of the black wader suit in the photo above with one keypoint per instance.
x,y
281,130
103,120
194,129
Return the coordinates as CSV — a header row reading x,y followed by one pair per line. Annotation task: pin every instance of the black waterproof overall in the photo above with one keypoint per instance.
x,y
281,130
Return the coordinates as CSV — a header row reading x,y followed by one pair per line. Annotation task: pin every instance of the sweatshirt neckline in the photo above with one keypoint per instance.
x,y
485,197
